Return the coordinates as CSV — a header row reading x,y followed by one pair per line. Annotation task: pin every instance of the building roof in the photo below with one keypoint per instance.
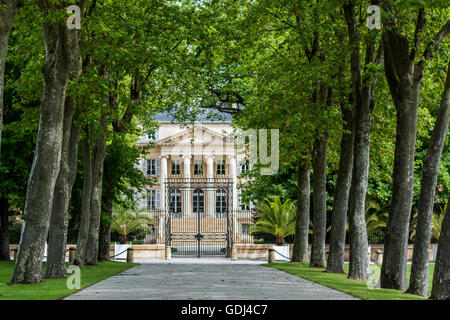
x,y
208,115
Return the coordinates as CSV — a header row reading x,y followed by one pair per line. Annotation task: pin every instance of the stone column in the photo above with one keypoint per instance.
x,y
162,181
187,194
233,175
164,207
210,194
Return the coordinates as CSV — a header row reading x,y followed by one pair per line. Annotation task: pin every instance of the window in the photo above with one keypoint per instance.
x,y
198,202
198,167
176,167
153,199
242,204
245,166
221,203
220,167
153,167
245,228
153,135
175,203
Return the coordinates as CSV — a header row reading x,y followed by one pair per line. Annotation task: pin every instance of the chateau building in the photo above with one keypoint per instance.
x,y
195,201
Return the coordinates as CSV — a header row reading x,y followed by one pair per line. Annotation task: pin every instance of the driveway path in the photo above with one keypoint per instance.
x,y
206,281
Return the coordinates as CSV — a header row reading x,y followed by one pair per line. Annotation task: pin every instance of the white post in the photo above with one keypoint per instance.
x,y
162,181
187,176
210,177
233,175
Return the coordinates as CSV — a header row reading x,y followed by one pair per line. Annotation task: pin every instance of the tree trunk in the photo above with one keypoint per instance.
x,y
339,216
4,230
46,162
319,159
59,219
441,278
105,230
300,250
419,269
363,98
86,203
405,86
404,77
358,268
7,18
91,254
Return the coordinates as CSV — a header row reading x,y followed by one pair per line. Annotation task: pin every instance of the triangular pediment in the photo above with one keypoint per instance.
x,y
197,136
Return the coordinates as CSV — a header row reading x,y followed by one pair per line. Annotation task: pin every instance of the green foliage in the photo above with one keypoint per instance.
x,y
276,218
54,289
125,221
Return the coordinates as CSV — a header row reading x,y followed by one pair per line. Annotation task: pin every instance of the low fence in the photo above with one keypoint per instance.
x,y
149,251
260,251
243,251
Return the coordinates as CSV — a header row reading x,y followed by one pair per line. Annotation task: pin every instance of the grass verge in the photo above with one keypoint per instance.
x,y
53,289
340,282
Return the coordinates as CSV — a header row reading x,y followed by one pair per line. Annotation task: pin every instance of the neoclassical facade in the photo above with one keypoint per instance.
x,y
196,169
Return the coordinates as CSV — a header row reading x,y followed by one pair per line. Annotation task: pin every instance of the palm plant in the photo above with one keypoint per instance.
x,y
436,224
125,221
276,218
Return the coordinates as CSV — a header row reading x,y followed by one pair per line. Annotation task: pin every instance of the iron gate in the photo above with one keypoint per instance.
x,y
199,216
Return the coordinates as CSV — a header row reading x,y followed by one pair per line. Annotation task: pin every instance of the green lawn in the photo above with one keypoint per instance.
x,y
340,282
55,288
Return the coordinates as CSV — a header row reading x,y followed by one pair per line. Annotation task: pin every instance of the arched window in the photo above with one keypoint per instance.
x,y
198,202
221,203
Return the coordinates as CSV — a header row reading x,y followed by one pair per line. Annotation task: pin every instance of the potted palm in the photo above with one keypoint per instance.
x,y
126,221
277,219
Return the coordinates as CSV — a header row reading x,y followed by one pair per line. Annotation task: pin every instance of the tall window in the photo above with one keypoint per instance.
x,y
198,167
153,199
245,228
175,203
244,206
176,167
153,135
198,203
153,167
220,167
245,166
221,203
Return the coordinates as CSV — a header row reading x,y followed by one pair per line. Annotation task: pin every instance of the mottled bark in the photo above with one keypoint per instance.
x,y
47,156
105,230
335,261
300,250
7,18
363,99
404,77
319,163
441,278
4,233
99,154
63,189
430,171
85,203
